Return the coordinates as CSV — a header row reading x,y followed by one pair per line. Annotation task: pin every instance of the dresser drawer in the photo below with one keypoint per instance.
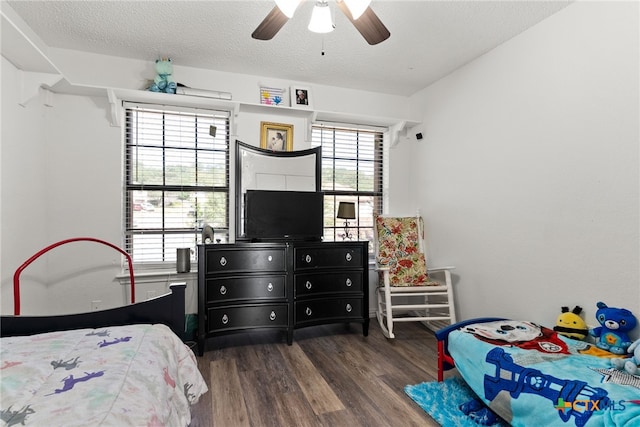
x,y
229,289
315,284
327,309
247,316
331,256
245,260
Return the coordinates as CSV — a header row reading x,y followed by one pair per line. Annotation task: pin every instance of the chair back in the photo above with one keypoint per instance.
x,y
399,243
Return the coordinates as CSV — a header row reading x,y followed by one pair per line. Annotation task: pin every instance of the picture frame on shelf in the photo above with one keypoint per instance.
x,y
271,96
300,96
276,136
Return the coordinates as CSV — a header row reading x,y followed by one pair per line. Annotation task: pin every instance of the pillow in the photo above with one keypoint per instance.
x,y
410,270
505,330
399,249
397,238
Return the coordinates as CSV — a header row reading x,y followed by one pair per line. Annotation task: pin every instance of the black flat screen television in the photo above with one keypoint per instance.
x,y
284,215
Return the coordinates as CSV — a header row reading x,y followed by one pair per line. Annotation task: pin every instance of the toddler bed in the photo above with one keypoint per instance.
x,y
116,367
529,375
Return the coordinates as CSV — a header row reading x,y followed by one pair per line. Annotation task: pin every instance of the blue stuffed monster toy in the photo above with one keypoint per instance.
x,y
616,323
163,82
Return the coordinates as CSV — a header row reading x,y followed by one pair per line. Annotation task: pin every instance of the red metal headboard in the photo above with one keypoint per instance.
x,y
16,275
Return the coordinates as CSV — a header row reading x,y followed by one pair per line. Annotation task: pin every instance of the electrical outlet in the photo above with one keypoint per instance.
x,y
95,305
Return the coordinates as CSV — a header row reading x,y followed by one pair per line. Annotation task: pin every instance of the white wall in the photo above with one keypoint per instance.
x,y
61,178
528,172
93,70
67,162
23,171
401,195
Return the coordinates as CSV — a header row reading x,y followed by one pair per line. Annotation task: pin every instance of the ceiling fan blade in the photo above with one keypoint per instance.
x,y
369,25
270,25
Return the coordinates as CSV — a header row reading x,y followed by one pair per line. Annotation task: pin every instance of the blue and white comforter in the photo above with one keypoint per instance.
x,y
568,384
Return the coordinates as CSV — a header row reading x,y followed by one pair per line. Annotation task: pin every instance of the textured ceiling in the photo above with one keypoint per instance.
x,y
429,39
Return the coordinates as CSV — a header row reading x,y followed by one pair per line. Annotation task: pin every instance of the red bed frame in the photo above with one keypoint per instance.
x,y
168,309
445,361
16,275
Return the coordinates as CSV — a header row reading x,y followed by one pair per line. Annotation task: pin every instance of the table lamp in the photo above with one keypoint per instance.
x,y
346,211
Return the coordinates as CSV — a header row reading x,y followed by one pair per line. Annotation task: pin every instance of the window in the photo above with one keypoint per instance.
x,y
176,179
351,172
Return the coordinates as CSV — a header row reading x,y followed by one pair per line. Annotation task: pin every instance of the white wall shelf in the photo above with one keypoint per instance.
x,y
23,48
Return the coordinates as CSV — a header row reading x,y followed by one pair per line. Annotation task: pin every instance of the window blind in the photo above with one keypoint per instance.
x,y
352,171
176,179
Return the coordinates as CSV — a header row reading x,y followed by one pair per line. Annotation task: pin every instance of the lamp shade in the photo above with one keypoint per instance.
x,y
288,7
321,21
357,7
346,210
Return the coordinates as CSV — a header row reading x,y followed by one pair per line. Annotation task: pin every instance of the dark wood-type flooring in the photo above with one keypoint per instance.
x,y
330,376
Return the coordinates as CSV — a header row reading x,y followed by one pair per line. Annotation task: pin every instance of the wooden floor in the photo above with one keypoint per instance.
x,y
331,376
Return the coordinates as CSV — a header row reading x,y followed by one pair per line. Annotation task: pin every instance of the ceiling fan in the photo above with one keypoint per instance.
x,y
357,11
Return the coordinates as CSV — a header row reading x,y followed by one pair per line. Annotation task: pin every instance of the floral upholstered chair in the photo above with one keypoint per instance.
x,y
405,278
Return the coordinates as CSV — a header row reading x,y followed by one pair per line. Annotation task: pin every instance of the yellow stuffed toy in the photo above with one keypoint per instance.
x,y
570,324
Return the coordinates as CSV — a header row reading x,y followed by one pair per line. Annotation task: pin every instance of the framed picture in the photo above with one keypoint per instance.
x,y
300,96
276,136
271,95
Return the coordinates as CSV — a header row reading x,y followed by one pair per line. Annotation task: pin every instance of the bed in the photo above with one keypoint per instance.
x,y
529,375
122,366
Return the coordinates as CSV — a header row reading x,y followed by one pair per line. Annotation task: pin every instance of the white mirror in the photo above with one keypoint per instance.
x,y
259,169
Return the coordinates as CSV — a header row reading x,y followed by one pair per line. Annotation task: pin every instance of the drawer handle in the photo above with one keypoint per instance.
x,y
348,256
308,285
223,261
348,282
223,290
270,287
272,316
308,311
225,319
349,308
269,258
307,259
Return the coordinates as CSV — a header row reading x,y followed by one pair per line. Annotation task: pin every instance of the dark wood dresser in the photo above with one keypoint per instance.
x,y
285,286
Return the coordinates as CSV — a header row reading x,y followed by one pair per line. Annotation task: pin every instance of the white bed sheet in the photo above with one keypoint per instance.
x,y
135,375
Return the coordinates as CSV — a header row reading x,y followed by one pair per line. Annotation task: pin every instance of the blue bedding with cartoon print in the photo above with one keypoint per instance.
x,y
531,376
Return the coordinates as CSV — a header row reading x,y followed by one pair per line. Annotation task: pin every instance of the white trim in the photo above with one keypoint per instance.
x,y
155,276
177,108
351,126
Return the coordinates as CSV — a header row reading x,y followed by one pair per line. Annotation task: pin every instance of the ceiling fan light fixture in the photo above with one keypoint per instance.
x,y
288,7
321,21
357,7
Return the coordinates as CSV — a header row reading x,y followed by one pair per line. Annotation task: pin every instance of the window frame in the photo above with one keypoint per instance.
x,y
166,256
361,228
